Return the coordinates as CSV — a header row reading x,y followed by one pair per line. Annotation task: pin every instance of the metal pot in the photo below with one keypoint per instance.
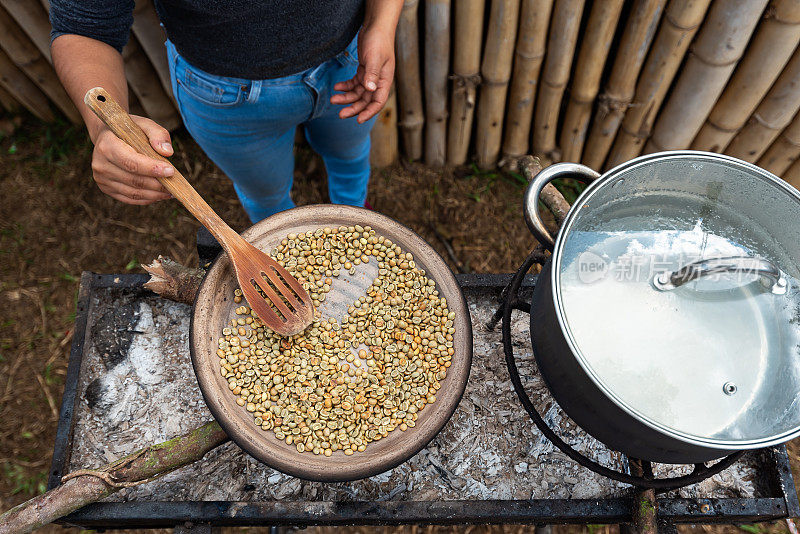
x,y
666,323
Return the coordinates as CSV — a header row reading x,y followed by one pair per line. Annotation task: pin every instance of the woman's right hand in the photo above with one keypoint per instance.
x,y
124,174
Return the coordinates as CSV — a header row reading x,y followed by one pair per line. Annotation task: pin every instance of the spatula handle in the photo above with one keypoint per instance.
x,y
119,122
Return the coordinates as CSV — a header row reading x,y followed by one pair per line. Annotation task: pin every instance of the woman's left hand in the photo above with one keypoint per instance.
x,y
366,93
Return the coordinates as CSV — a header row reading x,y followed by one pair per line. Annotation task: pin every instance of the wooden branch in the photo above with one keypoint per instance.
x,y
147,29
409,86
498,57
466,77
172,280
383,136
784,151
640,28
644,512
715,53
25,91
645,505
591,60
27,57
437,55
534,17
92,485
773,114
143,80
561,43
550,197
33,19
776,38
681,21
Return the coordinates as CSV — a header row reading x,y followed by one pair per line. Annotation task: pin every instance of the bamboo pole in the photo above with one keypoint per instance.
x,y
767,53
8,102
147,29
534,19
680,23
591,59
498,58
773,114
33,19
640,28
144,82
409,86
784,151
718,47
792,175
466,76
561,42
437,54
25,91
28,58
384,134
91,485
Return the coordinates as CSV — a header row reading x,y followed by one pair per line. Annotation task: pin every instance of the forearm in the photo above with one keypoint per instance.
x,y
82,63
383,14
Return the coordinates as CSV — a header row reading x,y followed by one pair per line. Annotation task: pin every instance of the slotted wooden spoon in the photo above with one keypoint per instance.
x,y
285,306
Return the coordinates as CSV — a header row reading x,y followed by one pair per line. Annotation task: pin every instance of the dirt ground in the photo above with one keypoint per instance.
x,y
55,223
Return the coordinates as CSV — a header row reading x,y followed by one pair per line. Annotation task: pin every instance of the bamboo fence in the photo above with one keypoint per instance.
x,y
561,43
792,174
776,38
528,57
498,56
784,151
619,93
492,80
770,118
468,15
680,24
409,81
384,134
591,59
715,53
437,56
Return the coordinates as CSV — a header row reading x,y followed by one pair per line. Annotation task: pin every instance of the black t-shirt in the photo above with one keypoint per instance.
x,y
254,39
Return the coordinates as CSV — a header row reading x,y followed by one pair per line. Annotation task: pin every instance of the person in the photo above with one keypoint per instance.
x,y
245,74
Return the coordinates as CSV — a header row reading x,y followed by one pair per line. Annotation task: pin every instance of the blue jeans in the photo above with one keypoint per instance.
x,y
247,128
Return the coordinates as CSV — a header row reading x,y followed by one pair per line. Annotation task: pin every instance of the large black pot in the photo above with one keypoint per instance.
x,y
697,357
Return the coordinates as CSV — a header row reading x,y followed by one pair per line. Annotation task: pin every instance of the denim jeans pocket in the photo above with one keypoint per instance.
x,y
208,88
349,56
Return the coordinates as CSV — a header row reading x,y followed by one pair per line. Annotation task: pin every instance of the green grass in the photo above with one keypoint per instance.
x,y
22,481
485,180
60,143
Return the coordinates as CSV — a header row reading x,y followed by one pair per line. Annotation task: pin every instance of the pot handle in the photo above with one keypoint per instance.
x,y
545,176
771,276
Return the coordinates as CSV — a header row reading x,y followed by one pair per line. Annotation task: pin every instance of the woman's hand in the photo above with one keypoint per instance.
x,y
366,93
124,174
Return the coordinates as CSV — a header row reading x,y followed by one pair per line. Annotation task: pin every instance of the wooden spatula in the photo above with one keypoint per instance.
x,y
276,296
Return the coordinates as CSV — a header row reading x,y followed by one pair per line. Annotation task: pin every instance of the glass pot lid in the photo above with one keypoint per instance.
x,y
677,285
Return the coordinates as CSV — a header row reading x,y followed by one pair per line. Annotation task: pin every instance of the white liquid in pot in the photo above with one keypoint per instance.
x,y
669,355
